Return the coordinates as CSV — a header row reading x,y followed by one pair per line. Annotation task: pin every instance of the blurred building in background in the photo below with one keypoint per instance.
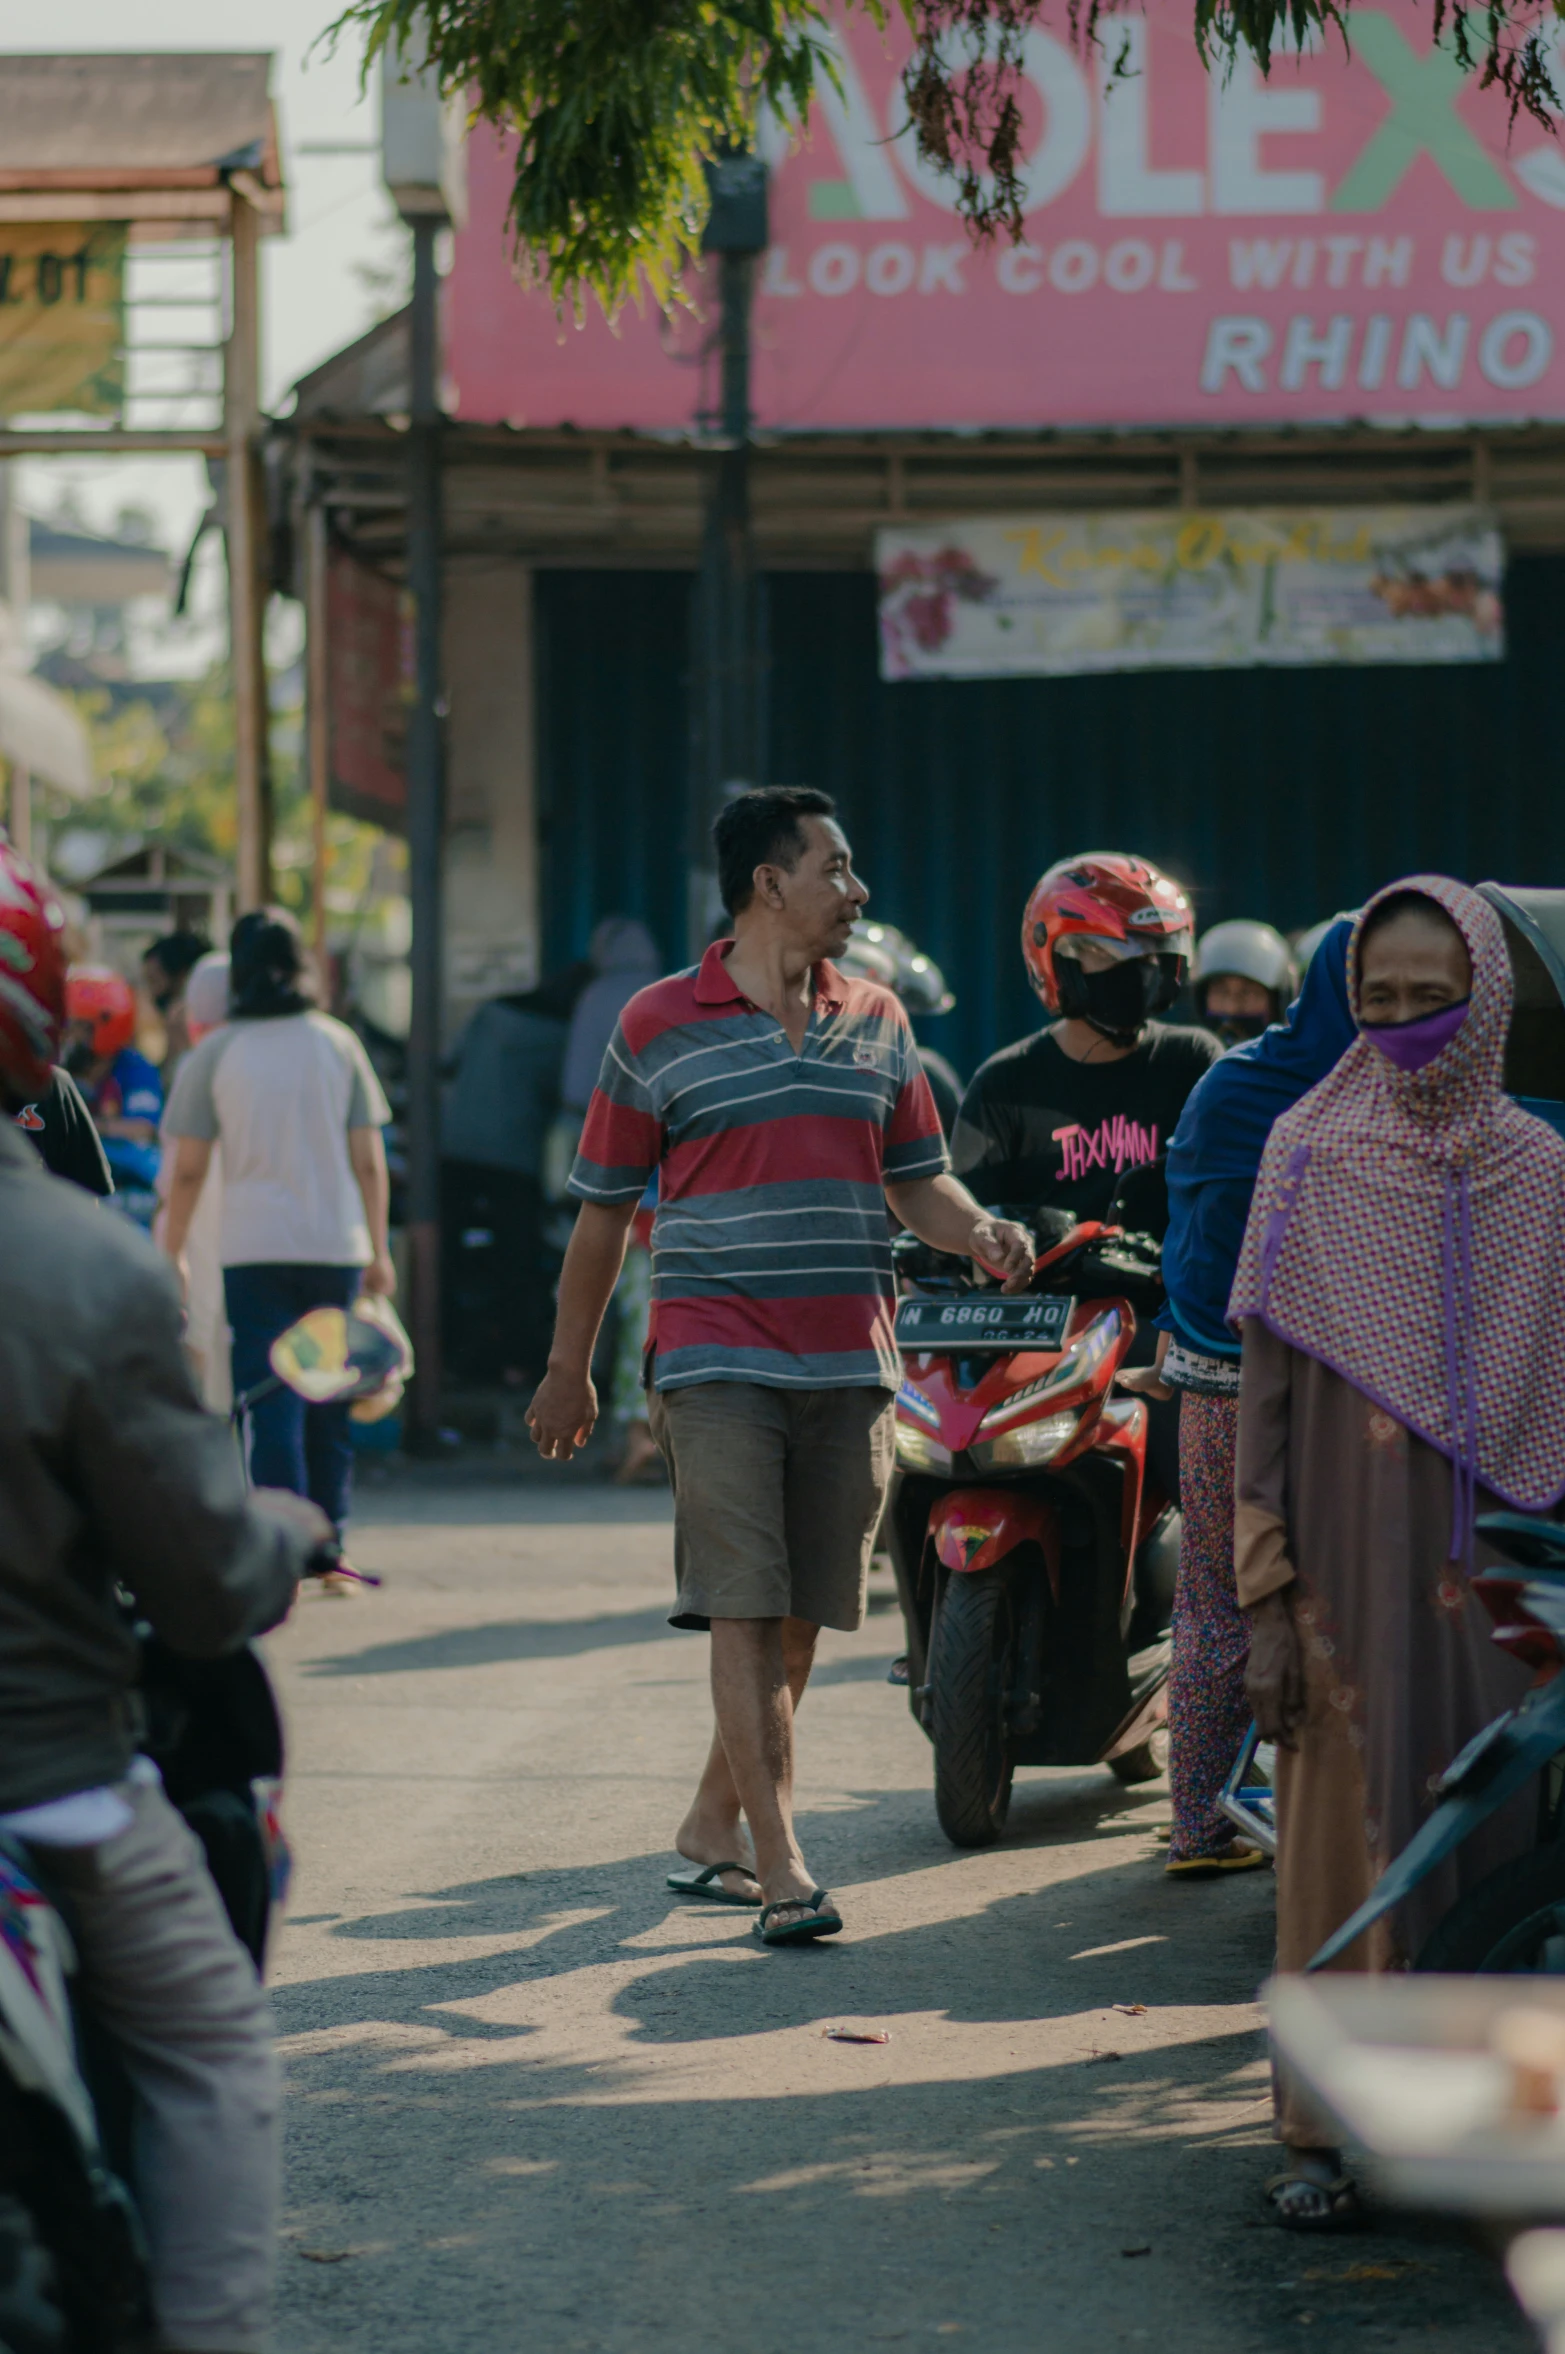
x,y
1237,301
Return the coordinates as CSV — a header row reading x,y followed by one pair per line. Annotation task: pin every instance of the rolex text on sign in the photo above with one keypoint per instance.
x,y
1358,235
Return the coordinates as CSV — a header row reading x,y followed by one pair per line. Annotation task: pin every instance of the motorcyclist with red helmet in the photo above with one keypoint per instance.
x,y
1064,1117
1078,1116
122,1089
112,1476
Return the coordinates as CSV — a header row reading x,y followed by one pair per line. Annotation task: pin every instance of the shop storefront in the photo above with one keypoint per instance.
x,y
1334,293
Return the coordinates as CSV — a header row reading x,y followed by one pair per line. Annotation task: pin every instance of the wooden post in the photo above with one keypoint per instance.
x,y
246,598
318,736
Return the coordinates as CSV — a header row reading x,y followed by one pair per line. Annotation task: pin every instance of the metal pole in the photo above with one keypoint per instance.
x,y
246,603
725,637
425,829
318,737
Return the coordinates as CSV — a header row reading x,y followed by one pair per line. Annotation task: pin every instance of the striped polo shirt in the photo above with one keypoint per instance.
x,y
771,1257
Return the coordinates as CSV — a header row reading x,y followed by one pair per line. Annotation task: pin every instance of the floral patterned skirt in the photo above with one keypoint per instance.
x,y
1208,1714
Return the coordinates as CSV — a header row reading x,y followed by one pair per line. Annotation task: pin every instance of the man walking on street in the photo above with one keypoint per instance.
x,y
783,1107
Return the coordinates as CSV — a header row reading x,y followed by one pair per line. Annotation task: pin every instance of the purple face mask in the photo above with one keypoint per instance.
x,y
1410,1045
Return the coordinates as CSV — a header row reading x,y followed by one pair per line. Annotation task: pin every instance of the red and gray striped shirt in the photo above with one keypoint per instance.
x,y
771,1255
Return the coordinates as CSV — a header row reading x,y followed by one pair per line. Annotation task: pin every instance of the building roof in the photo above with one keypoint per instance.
x,y
154,862
371,377
78,568
126,120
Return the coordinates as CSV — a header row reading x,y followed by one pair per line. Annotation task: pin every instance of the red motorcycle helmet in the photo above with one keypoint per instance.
x,y
1124,904
106,1002
32,978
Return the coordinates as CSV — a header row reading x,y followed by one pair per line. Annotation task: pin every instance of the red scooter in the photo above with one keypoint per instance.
x,y
1034,1557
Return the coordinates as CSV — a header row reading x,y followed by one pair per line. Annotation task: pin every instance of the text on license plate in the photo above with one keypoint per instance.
x,y
979,1323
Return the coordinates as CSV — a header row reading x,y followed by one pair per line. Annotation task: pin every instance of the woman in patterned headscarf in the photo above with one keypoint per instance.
x,y
1398,1293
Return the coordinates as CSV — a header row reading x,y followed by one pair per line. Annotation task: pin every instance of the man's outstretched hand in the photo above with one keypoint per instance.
x,y
562,1415
1003,1249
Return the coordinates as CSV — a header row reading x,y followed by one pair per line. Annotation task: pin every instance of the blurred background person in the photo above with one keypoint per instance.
x,y
640,1459
166,968
290,1096
884,953
503,1093
624,958
1243,977
204,1008
121,1088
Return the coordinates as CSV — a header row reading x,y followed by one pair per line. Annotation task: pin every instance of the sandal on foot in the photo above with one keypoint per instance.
x,y
707,1880
819,1919
1300,2203
1239,1857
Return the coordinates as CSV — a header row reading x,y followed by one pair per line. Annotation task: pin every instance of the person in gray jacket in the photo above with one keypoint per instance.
x,y
112,1474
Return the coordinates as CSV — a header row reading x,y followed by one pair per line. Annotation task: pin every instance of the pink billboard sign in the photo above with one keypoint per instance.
x,y
1356,237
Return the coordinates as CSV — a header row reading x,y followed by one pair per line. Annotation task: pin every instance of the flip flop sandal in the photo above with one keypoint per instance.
x,y
1333,2206
707,1880
816,1921
1238,1858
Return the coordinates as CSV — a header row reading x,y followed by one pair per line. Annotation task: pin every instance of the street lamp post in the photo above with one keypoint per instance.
x,y
727,665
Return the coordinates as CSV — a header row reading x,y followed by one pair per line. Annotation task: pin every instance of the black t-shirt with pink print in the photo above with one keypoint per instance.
x,y
1037,1129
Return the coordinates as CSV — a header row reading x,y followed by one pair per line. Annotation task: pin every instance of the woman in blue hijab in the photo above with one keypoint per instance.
x,y
1213,1159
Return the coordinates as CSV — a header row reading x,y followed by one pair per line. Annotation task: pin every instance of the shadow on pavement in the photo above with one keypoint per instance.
x,y
688,2197
503,1641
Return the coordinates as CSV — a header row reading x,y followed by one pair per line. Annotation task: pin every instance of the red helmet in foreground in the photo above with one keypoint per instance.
x,y
106,1002
32,977
1125,907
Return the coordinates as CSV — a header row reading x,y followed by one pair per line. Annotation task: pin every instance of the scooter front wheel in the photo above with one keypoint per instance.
x,y
971,1670
1513,1922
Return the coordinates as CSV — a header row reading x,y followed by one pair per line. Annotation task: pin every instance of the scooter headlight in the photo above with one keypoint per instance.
x,y
918,1451
1025,1448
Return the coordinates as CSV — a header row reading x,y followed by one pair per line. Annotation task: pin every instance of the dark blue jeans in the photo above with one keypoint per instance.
x,y
290,1444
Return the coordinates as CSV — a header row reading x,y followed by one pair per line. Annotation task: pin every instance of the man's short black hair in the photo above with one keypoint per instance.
x,y
761,828
179,952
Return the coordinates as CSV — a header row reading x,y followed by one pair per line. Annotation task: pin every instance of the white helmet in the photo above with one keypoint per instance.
x,y
1305,945
1252,951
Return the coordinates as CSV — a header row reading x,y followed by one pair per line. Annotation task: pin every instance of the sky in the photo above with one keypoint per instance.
x,y
340,222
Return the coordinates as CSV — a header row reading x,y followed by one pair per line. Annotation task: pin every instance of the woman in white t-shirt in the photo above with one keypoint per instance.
x,y
291,1097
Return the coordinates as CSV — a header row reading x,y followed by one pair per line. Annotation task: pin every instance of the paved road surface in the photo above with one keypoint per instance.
x,y
535,2102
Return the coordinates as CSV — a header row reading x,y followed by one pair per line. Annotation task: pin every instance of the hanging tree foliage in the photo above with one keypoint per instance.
x,y
615,103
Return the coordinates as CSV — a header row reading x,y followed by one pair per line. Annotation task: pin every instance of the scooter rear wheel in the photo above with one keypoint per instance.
x,y
1512,1922
971,1670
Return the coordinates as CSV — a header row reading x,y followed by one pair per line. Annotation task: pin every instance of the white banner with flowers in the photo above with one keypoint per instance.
x,y
1189,589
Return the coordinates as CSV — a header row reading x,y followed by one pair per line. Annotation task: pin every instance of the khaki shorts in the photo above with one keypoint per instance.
x,y
777,1495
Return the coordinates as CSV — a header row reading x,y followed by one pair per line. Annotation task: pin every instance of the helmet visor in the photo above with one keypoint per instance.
x,y
1122,951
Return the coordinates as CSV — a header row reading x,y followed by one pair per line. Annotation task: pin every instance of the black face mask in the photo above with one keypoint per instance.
x,y
79,1057
1234,1029
1118,1000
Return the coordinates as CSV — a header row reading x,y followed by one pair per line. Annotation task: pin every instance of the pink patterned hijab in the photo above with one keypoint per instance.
x,y
1408,1230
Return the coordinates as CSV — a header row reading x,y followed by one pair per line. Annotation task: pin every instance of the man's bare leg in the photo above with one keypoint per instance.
x,y
712,1831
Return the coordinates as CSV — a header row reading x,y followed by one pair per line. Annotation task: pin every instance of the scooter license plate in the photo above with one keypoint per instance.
x,y
981,1321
